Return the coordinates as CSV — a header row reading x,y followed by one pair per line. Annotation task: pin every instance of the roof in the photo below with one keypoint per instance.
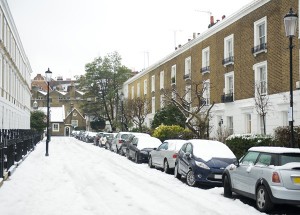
x,y
274,149
57,114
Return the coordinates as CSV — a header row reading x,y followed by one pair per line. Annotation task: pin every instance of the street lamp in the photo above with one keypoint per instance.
x,y
122,111
290,24
48,75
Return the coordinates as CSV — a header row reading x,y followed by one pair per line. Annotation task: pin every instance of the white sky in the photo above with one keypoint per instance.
x,y
64,35
81,179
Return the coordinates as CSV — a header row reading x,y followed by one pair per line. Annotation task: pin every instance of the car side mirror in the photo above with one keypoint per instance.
x,y
188,155
154,148
135,144
236,163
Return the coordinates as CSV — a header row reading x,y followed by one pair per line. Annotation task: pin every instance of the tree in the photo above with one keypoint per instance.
x,y
102,83
262,103
194,104
37,121
168,115
136,110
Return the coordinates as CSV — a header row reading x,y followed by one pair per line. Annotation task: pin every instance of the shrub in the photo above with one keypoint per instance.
x,y
283,136
164,132
239,144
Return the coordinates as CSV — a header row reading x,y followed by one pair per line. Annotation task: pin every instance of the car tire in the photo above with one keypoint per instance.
x,y
127,155
176,173
263,201
190,178
227,187
150,162
136,160
166,166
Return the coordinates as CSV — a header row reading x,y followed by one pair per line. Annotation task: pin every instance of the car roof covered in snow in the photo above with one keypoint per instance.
x,y
274,149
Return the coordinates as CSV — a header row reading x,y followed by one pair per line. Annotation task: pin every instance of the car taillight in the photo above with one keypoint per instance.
x,y
120,141
275,177
175,155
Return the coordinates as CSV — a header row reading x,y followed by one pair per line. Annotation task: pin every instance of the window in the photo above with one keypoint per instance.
x,y
153,83
285,121
205,60
153,105
248,123
74,123
229,88
264,159
206,92
187,68
230,124
161,80
188,96
228,50
138,89
162,101
55,127
260,36
261,86
173,75
145,87
250,158
132,92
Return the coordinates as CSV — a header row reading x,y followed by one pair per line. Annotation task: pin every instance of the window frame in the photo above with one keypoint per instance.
x,y
161,80
54,129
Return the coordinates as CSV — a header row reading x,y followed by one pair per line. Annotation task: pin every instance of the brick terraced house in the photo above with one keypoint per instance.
x,y
233,57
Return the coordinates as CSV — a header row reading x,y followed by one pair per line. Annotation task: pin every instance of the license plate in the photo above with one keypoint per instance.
x,y
218,176
296,180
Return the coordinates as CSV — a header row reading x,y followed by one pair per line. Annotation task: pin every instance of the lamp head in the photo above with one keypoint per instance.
x,y
48,75
290,23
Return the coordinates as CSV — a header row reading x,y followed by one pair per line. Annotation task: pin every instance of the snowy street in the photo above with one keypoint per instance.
x,y
80,178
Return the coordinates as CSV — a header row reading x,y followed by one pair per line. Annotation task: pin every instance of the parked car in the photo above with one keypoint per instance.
x,y
203,161
139,148
90,136
165,155
119,140
269,175
97,138
109,140
129,139
103,139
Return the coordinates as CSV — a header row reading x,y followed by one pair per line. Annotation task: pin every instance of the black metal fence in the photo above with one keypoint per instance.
x,y
14,146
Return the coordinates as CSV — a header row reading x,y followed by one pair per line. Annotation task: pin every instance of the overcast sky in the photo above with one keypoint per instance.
x,y
64,35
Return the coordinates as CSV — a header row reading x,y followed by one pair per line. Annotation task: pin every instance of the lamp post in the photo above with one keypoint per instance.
x,y
48,75
122,111
290,24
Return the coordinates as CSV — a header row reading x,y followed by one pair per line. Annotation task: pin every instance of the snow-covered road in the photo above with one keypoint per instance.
x,y
79,178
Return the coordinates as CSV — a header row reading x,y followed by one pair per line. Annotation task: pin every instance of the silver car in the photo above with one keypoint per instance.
x,y
165,155
269,175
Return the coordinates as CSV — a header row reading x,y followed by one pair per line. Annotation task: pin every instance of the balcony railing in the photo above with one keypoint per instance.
x,y
227,98
187,76
205,69
260,48
227,61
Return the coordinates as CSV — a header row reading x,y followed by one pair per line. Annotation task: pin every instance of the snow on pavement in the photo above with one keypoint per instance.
x,y
80,179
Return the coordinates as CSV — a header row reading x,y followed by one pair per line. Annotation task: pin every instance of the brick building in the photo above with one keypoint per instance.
x,y
233,57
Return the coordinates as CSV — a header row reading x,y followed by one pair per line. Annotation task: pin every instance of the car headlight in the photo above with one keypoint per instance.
x,y
201,165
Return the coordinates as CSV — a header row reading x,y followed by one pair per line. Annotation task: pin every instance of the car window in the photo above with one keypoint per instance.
x,y
162,146
288,158
183,148
124,136
189,148
250,157
264,159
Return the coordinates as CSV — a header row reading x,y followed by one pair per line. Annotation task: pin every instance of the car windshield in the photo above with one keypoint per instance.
x,y
124,136
148,143
288,158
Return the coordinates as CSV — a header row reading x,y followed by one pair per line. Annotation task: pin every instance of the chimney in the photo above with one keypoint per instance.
x,y
212,22
194,35
223,17
189,40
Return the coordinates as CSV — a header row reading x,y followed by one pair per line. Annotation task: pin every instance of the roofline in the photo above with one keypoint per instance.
x,y
209,32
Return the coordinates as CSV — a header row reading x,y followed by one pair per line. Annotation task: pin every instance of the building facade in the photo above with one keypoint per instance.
x,y
15,73
237,57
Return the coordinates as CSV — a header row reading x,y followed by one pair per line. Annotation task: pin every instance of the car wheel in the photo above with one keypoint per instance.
x,y
190,178
227,187
136,158
166,167
150,162
127,155
263,201
176,173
